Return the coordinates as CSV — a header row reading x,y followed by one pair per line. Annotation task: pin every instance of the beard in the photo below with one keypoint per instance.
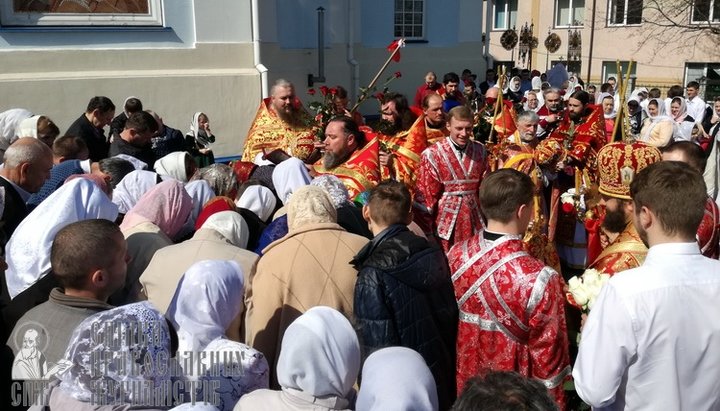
x,y
614,221
288,115
575,117
332,160
389,128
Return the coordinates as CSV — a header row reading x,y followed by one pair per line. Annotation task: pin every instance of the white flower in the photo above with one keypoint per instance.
x,y
579,291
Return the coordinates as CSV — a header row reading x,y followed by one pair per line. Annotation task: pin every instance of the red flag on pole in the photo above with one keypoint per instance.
x,y
395,45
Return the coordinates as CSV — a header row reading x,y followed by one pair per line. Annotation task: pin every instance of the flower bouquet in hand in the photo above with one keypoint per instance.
x,y
583,291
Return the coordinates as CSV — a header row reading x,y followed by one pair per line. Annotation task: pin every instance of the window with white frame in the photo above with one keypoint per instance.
x,y
505,14
624,12
410,19
569,13
704,11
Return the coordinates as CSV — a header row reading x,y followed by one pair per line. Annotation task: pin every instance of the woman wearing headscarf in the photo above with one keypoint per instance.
x,y
199,139
608,105
9,121
120,335
207,300
152,224
200,192
288,176
28,251
685,129
221,177
133,186
512,91
260,200
318,365
658,128
178,165
396,378
39,127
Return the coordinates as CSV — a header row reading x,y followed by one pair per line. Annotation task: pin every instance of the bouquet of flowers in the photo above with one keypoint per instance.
x,y
573,201
583,291
321,111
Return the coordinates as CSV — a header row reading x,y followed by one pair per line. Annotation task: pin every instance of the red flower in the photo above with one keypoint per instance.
x,y
333,91
324,90
568,208
379,96
398,74
311,91
318,118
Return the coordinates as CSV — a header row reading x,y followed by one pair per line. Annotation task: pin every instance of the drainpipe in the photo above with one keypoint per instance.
x,y
320,78
488,29
256,49
354,65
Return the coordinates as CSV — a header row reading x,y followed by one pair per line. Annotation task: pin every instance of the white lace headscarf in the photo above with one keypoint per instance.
x,y
207,299
28,251
310,205
396,378
335,188
125,336
239,370
320,354
288,176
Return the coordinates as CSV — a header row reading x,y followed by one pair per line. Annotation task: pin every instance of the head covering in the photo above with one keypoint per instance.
x,y
221,178
198,406
200,192
28,251
618,163
230,225
599,101
27,127
99,181
132,187
207,299
320,354
261,161
288,176
397,378
167,205
661,110
9,122
196,132
212,206
173,165
536,83
683,109
258,199
334,187
310,205
119,335
512,86
243,170
137,163
239,370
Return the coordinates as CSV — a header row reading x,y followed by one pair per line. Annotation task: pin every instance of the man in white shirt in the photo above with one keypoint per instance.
x,y
652,339
695,105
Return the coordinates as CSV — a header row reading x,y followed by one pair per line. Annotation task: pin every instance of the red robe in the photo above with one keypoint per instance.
x,y
406,146
708,233
512,313
446,196
361,171
626,252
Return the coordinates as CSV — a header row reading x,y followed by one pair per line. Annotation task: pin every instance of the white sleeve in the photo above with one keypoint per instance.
x,y
607,346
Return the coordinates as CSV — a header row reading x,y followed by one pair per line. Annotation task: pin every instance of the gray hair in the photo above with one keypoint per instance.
x,y
25,150
551,91
528,116
281,83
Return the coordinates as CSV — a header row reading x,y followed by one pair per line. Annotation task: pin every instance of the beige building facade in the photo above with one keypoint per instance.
x,y
611,31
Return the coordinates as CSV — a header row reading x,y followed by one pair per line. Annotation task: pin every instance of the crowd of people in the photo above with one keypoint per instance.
x,y
419,261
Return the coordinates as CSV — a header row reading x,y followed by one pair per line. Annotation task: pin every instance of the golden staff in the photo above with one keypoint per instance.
x,y
498,102
400,44
621,115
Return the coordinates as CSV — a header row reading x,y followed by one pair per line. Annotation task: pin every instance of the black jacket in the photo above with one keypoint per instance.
x,y
404,297
94,137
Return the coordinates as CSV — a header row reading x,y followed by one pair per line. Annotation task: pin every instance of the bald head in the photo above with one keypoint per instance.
x,y
28,162
492,93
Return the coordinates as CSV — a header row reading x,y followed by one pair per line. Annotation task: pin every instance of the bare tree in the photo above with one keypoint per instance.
x,y
685,16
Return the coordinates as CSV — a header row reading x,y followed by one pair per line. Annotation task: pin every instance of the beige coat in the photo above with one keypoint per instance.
x,y
308,267
159,281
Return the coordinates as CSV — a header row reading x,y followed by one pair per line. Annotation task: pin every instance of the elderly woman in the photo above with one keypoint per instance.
x,y
318,365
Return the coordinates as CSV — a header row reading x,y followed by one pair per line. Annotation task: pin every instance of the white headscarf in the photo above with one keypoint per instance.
x,y
207,299
396,378
320,354
28,251
288,176
600,99
173,165
231,226
239,369
258,199
201,192
133,186
137,163
655,120
27,127
9,121
200,138
120,335
334,187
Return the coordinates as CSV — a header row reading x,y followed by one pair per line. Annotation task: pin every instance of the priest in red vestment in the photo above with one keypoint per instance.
x,y
351,154
512,307
446,197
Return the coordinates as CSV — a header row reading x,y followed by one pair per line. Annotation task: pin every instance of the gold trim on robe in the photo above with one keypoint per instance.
x,y
626,252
